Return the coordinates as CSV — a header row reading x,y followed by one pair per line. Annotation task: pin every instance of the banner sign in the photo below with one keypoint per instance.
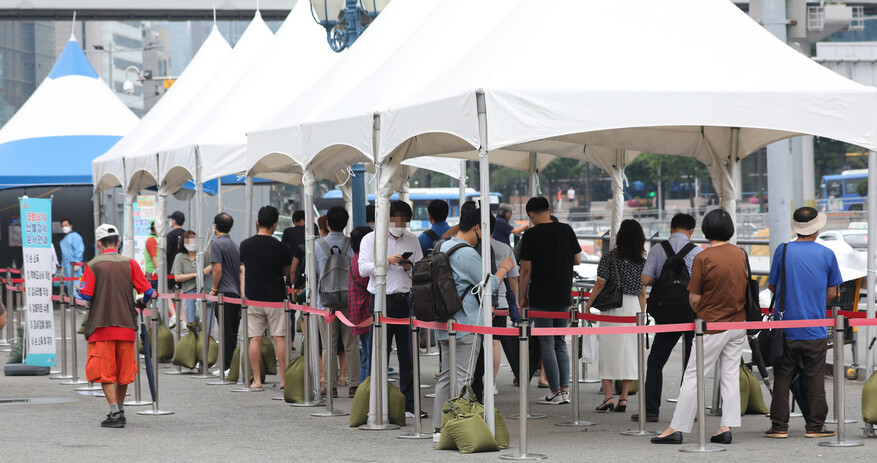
x,y
144,214
36,241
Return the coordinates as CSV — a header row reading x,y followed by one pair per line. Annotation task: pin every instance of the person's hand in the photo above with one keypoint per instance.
x,y
406,264
395,259
508,264
525,302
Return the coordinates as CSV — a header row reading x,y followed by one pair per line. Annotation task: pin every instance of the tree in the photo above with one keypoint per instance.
x,y
862,188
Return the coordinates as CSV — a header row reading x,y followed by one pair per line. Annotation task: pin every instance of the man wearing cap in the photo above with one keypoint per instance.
x,y
811,279
109,282
173,236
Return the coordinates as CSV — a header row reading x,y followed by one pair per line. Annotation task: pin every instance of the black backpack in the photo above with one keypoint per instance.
x,y
433,289
668,300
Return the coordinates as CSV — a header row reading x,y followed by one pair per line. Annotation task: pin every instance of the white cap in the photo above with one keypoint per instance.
x,y
104,231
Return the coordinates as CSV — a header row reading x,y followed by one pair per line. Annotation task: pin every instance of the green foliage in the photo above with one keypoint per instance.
x,y
862,188
830,157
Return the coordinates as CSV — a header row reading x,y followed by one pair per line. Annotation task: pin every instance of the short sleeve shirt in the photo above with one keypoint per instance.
x,y
502,231
500,252
226,252
719,275
629,272
657,257
264,258
551,249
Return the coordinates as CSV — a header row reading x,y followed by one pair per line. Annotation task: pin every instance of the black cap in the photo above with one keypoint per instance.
x,y
178,217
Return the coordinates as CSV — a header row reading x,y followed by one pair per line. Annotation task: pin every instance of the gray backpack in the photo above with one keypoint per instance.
x,y
333,277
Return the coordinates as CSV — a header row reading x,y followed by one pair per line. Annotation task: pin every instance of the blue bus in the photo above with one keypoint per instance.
x,y
419,198
840,191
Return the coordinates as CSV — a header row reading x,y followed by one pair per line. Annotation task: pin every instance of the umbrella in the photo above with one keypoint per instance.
x,y
799,390
147,353
758,360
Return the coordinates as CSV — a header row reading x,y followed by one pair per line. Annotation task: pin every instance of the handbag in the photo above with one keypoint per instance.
x,y
772,342
753,306
611,297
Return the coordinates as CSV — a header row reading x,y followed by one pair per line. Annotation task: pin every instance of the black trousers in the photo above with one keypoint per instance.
x,y
662,347
232,315
810,355
400,307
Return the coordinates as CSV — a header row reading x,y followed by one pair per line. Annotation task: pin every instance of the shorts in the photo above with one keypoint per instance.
x,y
260,318
111,362
500,321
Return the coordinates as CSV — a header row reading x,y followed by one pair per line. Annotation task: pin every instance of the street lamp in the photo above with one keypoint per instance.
x,y
345,20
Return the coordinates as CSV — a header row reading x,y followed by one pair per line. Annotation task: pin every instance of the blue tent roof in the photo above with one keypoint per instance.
x,y
72,62
51,160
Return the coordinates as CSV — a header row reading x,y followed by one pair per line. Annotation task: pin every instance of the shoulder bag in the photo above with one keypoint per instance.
x,y
612,296
772,342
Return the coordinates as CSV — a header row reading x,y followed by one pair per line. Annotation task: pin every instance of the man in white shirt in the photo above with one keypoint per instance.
x,y
403,248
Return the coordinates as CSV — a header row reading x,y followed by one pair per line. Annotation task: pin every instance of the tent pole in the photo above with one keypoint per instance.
x,y
617,196
128,226
533,173
462,184
96,206
872,252
248,209
311,336
202,240
219,194
161,231
405,185
486,309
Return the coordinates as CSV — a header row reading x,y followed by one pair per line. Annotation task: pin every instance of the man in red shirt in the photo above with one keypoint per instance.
x,y
109,282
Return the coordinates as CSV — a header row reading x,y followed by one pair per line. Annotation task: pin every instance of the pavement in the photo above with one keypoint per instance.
x,y
211,423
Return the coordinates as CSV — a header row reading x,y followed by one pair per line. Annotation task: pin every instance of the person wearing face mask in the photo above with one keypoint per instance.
x,y
400,241
72,248
185,272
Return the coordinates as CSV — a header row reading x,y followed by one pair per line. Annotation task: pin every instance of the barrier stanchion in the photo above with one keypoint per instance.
x,y
63,306
524,377
378,378
74,380
839,413
452,358
205,347
220,360
311,399
177,335
641,377
138,401
523,393
415,366
245,353
10,330
330,369
574,386
430,339
833,420
156,411
287,321
701,395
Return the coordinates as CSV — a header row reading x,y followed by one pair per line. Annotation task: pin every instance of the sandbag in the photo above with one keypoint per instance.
x,y
502,430
756,404
744,389
187,349
634,387
212,350
869,400
269,356
470,434
234,370
294,390
165,342
463,403
359,408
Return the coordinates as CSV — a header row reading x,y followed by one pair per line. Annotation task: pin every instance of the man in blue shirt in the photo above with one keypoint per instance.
x,y
811,279
438,215
72,248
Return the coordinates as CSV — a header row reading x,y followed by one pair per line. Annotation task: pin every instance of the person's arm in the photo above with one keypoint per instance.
x,y
647,280
85,288
526,269
293,271
832,294
642,299
217,275
599,284
694,300
695,285
650,269
141,285
78,248
366,256
521,229
513,283
574,245
241,279
834,278
152,250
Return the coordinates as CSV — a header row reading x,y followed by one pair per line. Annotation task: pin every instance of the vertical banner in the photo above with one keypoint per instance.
x,y
36,241
144,214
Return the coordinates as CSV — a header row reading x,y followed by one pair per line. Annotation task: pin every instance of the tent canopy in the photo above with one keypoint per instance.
x,y
71,119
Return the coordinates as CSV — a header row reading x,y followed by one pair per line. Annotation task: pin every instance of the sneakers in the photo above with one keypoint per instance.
x,y
774,434
436,437
552,399
172,322
564,397
114,420
495,390
423,414
824,433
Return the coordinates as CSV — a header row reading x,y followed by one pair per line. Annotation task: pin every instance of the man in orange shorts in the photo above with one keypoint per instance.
x,y
109,282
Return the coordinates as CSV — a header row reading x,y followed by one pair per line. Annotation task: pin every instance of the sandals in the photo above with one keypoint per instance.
x,y
606,406
621,408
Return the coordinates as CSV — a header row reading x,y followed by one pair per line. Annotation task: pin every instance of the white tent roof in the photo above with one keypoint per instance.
x,y
109,169
141,165
293,61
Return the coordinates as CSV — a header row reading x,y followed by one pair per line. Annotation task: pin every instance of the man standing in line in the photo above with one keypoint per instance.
x,y
358,303
109,282
504,228
681,228
227,272
549,251
811,276
72,248
266,261
438,216
294,239
399,242
173,237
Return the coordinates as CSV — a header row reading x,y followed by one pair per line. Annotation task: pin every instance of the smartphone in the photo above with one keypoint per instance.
x,y
406,255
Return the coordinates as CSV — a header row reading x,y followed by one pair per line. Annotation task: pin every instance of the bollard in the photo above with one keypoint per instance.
x,y
378,378
179,305
833,420
220,360
430,339
523,394
574,386
311,400
839,413
452,357
64,374
701,395
74,380
156,411
205,372
330,370
245,354
641,377
287,321
415,366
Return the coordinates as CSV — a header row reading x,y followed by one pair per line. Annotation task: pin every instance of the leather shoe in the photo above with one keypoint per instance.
x,y
723,438
675,438
650,417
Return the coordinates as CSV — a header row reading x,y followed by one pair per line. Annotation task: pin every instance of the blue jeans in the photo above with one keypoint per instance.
x,y
191,309
555,358
365,355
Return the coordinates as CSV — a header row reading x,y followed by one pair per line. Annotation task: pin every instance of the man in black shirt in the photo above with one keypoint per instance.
x,y
266,261
173,237
294,239
549,251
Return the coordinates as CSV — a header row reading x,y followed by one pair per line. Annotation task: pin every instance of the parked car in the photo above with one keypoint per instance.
x,y
857,238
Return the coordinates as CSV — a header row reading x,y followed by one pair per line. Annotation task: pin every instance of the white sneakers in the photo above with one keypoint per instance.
x,y
495,390
436,437
560,398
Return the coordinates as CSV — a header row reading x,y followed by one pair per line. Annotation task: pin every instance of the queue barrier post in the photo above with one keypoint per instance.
x,y
311,399
430,339
138,401
155,411
452,358
524,372
205,372
523,393
177,336
288,342
641,377
415,367
834,313
839,413
699,329
62,304
220,360
245,353
10,330
379,377
330,370
574,386
74,380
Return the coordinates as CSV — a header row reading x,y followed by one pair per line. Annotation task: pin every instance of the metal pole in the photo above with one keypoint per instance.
x,y
486,307
288,340
872,255
330,370
838,406
574,387
221,358
701,394
10,330
379,373
245,353
63,306
73,328
534,173
205,373
462,185
155,409
523,393
641,377
415,366
219,194
833,419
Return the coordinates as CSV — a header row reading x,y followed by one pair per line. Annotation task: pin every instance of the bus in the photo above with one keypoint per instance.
x,y
419,198
839,191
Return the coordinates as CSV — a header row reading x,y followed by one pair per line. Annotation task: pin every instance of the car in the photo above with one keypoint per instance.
x,y
857,238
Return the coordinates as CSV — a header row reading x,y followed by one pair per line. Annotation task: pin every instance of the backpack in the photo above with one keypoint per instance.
x,y
333,277
433,289
434,237
668,301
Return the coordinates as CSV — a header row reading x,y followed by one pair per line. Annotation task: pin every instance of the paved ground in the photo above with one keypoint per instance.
x,y
211,423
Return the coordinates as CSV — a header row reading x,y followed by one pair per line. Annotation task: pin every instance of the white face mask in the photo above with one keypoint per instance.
x,y
397,231
66,229
191,245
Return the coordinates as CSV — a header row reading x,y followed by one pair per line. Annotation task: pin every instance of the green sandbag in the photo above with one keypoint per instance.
x,y
744,389
634,387
466,402
212,349
165,341
756,398
470,434
17,353
187,349
269,357
359,408
502,430
268,362
294,390
234,370
869,400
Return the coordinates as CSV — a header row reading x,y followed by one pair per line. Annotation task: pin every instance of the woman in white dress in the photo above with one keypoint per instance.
x,y
617,352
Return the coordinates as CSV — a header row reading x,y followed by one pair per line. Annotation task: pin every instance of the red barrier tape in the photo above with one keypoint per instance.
x,y
868,322
307,309
195,296
544,314
343,319
431,325
396,321
231,300
17,280
605,318
164,296
15,271
56,298
486,330
501,313
580,294
77,264
210,298
613,330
